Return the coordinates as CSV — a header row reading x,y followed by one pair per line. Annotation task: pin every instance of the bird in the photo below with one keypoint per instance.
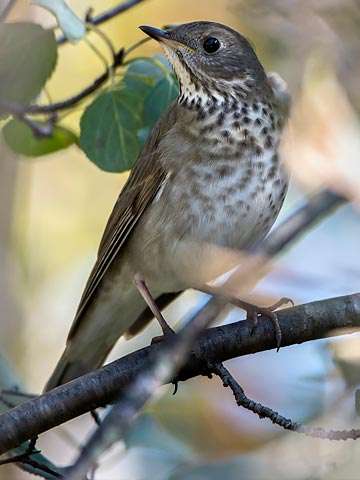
x,y
209,179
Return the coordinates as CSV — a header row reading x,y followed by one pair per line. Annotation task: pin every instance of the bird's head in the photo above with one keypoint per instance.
x,y
210,56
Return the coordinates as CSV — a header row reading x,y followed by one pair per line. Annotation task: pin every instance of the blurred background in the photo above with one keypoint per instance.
x,y
53,211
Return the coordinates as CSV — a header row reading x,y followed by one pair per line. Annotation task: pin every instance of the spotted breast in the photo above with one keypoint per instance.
x,y
225,185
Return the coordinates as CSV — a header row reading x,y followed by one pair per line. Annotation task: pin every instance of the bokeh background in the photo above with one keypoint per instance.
x,y
53,211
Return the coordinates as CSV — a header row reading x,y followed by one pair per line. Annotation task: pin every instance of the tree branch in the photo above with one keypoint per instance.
x,y
21,110
298,324
265,412
161,369
113,12
75,99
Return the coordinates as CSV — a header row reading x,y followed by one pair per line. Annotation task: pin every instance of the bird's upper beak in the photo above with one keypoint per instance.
x,y
155,33
163,36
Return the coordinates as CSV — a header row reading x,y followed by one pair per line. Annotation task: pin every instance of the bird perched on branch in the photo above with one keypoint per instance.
x,y
208,178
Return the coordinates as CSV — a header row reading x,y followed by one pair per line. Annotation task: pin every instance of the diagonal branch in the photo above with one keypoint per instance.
x,y
19,110
85,92
298,324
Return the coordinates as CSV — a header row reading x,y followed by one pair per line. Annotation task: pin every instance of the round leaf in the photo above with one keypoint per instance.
x,y
142,74
159,99
21,139
109,130
28,56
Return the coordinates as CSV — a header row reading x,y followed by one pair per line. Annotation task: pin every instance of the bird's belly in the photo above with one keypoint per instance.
x,y
196,221
236,206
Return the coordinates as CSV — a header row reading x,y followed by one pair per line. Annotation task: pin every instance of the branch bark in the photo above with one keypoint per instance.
x,y
171,357
298,324
265,412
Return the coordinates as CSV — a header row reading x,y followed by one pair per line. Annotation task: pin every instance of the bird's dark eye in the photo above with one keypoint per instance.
x,y
211,44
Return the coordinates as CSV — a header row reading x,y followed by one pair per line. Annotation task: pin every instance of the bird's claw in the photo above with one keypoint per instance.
x,y
253,313
280,303
176,386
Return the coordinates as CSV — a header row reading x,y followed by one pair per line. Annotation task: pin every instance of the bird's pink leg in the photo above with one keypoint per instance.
x,y
149,300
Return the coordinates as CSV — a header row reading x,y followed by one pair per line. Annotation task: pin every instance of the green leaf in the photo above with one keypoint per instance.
x,y
116,125
159,99
21,139
28,56
142,74
70,24
109,130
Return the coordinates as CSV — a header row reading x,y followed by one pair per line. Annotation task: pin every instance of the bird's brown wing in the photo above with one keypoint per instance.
x,y
140,189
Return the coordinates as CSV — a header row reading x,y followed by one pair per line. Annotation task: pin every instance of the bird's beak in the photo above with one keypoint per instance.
x,y
155,33
163,36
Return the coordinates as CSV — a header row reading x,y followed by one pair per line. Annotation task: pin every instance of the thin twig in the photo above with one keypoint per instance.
x,y
136,45
265,412
23,456
105,16
17,109
41,467
45,128
42,129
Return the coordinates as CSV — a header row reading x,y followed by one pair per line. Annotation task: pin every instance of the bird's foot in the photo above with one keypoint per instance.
x,y
96,417
254,312
161,338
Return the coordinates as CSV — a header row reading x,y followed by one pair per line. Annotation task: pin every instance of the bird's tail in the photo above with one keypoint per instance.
x,y
72,365
95,332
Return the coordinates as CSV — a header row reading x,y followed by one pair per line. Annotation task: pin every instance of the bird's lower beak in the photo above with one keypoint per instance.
x,y
155,33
